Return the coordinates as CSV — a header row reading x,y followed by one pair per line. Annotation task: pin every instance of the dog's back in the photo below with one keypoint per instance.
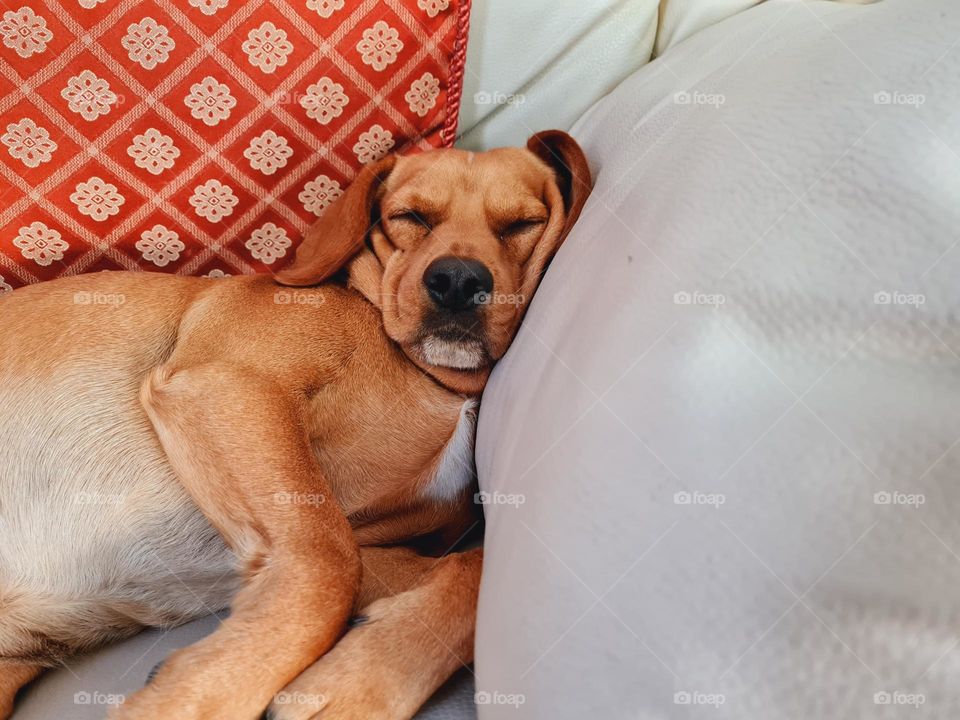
x,y
82,477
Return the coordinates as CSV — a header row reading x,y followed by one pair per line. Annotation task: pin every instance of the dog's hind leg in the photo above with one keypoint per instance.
x,y
12,678
301,564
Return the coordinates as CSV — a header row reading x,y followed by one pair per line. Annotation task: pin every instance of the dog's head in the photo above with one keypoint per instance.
x,y
454,244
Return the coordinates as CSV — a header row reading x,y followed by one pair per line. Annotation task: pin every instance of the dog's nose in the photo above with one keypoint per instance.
x,y
457,283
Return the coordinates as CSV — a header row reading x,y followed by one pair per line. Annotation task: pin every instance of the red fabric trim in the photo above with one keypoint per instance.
x,y
458,63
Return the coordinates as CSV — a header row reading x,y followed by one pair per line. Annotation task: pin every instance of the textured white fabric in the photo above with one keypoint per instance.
x,y
679,19
539,64
817,199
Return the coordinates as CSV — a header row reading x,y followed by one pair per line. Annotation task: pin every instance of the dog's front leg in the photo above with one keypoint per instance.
x,y
239,446
417,630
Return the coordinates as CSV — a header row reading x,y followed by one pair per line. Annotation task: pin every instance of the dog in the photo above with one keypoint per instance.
x,y
284,446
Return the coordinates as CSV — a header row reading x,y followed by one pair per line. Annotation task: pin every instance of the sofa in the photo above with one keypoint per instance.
x,y
723,449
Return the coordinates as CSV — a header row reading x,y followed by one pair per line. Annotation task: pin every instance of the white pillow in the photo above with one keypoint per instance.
x,y
798,161
539,64
679,19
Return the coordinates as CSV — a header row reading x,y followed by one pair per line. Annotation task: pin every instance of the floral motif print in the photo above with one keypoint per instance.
x,y
5,287
324,100
110,127
28,142
209,7
325,8
433,7
267,47
423,93
88,95
318,193
268,243
25,32
41,244
160,245
268,153
379,45
210,101
373,144
213,200
153,151
148,43
97,199
217,274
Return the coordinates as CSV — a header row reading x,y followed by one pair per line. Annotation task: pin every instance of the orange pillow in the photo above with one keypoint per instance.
x,y
202,137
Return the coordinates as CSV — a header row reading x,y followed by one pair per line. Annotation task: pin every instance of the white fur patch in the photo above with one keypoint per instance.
x,y
455,471
461,355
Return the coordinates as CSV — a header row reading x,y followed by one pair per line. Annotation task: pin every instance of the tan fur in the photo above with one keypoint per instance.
x,y
12,679
239,442
368,674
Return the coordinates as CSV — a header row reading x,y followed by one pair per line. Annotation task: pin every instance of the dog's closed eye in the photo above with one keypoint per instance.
x,y
521,227
412,217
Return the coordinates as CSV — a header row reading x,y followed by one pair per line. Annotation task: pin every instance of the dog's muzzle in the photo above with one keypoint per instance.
x,y
457,284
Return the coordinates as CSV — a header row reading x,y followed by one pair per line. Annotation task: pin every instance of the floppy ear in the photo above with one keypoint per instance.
x,y
562,153
341,230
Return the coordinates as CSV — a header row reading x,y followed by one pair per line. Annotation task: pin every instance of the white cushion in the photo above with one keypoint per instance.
x,y
539,64
819,202
679,19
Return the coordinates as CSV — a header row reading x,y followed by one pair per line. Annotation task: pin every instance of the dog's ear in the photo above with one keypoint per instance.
x,y
562,153
573,185
341,230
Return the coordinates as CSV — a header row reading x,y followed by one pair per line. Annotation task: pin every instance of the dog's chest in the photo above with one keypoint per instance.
x,y
455,468
395,445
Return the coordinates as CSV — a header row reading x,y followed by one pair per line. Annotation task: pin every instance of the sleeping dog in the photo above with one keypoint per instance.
x,y
277,445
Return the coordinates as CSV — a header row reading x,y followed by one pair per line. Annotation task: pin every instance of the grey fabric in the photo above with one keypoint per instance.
x,y
83,690
454,701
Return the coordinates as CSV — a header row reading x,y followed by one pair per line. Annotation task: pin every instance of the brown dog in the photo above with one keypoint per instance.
x,y
173,445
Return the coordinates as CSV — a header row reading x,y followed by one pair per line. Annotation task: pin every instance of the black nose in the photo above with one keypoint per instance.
x,y
457,283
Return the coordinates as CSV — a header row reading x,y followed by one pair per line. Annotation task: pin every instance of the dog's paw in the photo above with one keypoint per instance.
x,y
372,672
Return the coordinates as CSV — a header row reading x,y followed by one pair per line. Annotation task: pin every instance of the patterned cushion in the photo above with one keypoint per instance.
x,y
203,136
